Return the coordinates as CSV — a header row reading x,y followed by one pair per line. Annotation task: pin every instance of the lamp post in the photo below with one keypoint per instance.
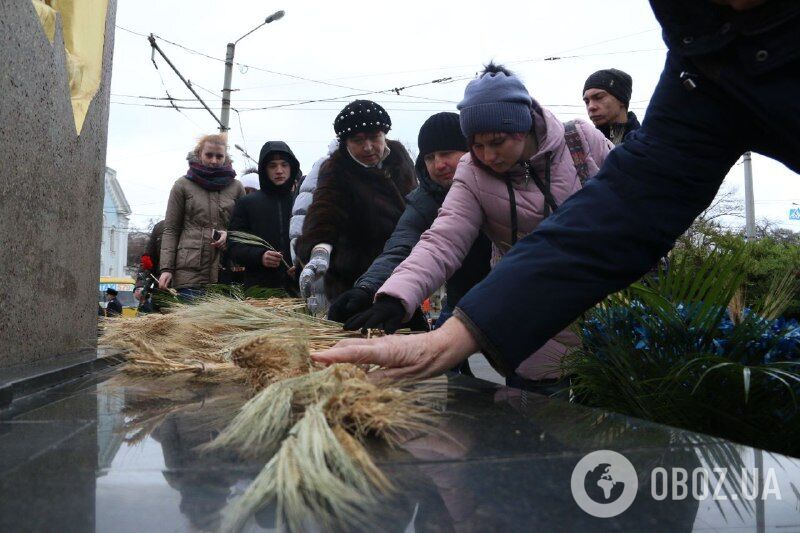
x,y
226,88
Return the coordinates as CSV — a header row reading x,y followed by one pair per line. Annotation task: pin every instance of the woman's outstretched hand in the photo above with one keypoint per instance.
x,y
406,356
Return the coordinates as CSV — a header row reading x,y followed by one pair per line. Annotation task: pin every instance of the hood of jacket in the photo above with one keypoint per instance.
x,y
270,148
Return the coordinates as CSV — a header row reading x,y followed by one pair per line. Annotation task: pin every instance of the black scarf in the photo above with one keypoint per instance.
x,y
211,179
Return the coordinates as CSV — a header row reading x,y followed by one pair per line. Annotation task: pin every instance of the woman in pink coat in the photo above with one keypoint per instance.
x,y
523,163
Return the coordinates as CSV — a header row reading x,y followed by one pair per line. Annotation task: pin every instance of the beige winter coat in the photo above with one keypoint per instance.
x,y
193,213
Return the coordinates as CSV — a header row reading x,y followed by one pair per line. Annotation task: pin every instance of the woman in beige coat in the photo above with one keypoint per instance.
x,y
199,209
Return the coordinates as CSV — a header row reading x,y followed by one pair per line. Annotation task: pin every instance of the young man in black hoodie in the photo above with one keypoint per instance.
x,y
266,213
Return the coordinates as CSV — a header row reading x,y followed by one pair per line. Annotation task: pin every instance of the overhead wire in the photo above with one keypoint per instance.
x,y
199,108
618,52
147,97
511,62
392,102
169,96
262,69
426,109
209,91
241,129
396,90
589,45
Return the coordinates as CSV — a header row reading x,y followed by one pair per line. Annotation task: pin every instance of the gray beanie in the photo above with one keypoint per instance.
x,y
441,132
497,101
617,83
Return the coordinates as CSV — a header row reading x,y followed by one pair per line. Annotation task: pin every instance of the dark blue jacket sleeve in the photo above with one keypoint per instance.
x,y
417,217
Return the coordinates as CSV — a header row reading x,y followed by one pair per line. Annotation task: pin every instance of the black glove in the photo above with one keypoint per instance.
x,y
418,322
386,314
349,303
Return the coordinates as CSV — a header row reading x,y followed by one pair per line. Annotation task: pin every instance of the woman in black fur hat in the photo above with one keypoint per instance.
x,y
358,200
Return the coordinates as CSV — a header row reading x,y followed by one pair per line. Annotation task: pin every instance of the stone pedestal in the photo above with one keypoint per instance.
x,y
51,192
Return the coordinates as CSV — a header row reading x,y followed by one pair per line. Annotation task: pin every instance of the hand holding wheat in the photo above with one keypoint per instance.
x,y
271,259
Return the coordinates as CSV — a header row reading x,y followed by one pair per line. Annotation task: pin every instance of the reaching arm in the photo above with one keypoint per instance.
x,y
442,248
406,235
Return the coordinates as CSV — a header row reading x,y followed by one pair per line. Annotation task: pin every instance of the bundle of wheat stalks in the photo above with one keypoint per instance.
x,y
308,422
199,339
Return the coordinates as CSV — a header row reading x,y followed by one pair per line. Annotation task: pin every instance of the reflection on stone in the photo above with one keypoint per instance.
x,y
125,458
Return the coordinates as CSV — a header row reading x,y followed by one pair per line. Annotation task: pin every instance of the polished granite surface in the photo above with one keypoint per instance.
x,y
103,454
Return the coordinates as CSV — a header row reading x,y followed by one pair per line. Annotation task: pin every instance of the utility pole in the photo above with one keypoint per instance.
x,y
226,87
155,48
749,202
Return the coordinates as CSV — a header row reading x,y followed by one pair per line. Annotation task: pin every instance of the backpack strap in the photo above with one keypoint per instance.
x,y
512,199
576,149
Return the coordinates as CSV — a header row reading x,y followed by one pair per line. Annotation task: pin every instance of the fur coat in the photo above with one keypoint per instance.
x,y
355,209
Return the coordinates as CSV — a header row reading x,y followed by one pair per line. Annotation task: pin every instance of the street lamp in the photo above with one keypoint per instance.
x,y
244,153
226,89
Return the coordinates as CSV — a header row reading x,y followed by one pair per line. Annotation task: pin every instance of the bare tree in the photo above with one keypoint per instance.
x,y
785,236
726,204
137,243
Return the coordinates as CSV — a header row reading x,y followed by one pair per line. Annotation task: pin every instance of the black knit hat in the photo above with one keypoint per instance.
x,y
441,132
615,82
361,115
112,292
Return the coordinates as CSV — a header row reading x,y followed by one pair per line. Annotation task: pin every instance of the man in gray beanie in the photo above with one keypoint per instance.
x,y
607,95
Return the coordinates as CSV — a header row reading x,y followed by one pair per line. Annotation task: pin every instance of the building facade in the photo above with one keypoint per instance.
x,y
116,217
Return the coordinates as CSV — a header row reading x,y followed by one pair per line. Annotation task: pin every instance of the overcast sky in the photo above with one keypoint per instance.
x,y
332,51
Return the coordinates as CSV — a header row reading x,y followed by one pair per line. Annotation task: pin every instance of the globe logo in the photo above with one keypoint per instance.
x,y
601,486
604,483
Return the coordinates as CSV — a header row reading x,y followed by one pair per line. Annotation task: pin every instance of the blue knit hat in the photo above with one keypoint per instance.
x,y
497,101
